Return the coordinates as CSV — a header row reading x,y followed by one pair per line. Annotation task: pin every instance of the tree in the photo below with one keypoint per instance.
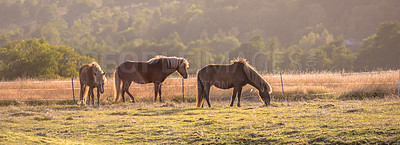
x,y
254,51
340,55
381,50
292,60
35,58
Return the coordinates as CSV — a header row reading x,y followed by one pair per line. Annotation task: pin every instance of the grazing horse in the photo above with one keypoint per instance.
x,y
236,75
155,70
91,76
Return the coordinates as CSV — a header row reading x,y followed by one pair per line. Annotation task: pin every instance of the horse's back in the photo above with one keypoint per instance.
x,y
222,76
139,72
84,69
84,74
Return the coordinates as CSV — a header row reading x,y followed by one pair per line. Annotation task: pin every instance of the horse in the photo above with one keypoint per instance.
x,y
155,70
235,75
91,76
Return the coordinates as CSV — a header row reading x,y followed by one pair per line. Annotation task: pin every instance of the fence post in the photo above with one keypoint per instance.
x,y
73,93
183,90
283,92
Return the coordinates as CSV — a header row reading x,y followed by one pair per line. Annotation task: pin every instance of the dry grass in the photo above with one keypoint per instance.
x,y
297,87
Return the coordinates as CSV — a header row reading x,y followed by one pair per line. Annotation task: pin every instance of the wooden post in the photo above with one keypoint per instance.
x,y
183,90
73,92
283,92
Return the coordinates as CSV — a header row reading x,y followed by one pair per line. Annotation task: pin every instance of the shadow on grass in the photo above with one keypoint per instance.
x,y
164,112
35,102
362,95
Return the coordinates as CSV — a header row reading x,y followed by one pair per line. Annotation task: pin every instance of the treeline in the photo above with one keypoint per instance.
x,y
309,35
35,58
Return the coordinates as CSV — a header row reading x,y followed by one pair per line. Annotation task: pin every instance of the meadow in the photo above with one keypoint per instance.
x,y
327,108
308,122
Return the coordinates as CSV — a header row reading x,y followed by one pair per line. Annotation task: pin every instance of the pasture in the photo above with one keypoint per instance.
x,y
323,108
319,121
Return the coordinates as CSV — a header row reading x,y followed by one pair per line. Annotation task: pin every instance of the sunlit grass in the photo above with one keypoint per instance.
x,y
322,121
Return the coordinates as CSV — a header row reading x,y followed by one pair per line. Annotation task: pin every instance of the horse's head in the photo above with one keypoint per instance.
x,y
99,79
265,96
182,68
265,93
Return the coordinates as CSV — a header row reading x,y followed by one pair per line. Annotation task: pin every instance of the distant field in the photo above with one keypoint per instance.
x,y
297,87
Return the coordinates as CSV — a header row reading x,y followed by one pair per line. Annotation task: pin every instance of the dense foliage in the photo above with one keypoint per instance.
x,y
381,50
274,35
35,58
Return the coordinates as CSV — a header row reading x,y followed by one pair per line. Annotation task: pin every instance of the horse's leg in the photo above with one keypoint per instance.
x,y
123,91
130,95
123,95
98,97
92,96
235,90
239,93
81,94
88,96
156,84
159,91
126,88
207,88
202,97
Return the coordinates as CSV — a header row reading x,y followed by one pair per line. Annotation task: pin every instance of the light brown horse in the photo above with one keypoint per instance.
x,y
156,70
91,76
236,75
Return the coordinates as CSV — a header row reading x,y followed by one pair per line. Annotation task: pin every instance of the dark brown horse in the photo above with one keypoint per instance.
x,y
156,70
236,75
91,76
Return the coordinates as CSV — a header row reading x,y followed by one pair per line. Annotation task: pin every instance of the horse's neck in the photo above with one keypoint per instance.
x,y
169,71
254,82
164,69
255,85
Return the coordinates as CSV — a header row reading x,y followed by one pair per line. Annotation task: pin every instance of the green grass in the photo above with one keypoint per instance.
x,y
308,122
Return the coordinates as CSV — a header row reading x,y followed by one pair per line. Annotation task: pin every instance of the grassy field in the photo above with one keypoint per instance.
x,y
305,122
324,108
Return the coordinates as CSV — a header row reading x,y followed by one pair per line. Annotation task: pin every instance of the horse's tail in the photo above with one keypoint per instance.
x,y
200,92
117,86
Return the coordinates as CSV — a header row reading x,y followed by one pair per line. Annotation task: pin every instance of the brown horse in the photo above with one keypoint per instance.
x,y
91,76
236,75
156,70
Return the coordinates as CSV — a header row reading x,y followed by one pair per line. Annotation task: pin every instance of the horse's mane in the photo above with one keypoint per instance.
x,y
96,67
172,62
241,60
253,75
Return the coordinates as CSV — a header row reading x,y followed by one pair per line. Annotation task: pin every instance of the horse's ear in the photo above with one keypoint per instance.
x,y
182,63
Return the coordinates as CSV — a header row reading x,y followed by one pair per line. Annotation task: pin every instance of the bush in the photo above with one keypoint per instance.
x,y
35,58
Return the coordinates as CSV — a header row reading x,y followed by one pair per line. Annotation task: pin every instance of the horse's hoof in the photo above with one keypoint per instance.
x,y
238,105
133,101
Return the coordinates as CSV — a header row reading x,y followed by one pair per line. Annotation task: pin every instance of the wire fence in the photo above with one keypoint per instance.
x,y
273,84
7,88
